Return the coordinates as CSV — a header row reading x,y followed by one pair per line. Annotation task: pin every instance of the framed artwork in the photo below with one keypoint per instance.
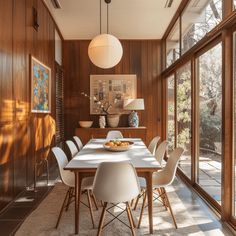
x,y
111,90
40,87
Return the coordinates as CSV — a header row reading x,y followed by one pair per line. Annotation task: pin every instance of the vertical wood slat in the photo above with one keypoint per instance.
x,y
227,125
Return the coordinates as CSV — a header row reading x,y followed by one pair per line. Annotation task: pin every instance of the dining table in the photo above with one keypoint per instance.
x,y
86,162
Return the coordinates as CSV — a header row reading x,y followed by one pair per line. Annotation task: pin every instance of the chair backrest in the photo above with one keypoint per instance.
x,y
78,142
73,149
116,182
153,145
167,174
67,176
160,151
114,134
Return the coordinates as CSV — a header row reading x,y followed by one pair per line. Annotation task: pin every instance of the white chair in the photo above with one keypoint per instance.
x,y
160,151
153,145
78,142
114,134
159,155
68,179
163,178
116,182
73,149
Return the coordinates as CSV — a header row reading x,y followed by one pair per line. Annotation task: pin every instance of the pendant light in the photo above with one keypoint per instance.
x,y
105,50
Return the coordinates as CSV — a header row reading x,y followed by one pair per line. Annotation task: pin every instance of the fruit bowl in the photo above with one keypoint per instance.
x,y
86,123
117,145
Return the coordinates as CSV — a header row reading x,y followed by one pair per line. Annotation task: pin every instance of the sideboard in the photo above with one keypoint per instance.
x,y
85,134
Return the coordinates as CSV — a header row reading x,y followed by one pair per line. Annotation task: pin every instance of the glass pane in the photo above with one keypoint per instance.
x,y
184,116
199,18
171,112
210,121
173,45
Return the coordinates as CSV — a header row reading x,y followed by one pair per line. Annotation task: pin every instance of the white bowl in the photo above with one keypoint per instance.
x,y
85,123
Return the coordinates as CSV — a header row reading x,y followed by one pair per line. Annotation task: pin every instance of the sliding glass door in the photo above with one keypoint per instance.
x,y
209,121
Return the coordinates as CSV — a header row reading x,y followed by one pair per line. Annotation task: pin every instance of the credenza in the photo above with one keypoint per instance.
x,y
85,134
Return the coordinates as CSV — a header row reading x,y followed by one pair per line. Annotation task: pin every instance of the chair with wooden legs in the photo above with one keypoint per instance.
x,y
73,149
153,145
114,134
68,179
78,142
159,155
161,179
123,176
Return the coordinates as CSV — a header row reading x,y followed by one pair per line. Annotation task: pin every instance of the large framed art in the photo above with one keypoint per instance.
x,y
40,87
112,90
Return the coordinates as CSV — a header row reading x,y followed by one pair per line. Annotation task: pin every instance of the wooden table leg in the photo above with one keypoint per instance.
x,y
77,200
150,201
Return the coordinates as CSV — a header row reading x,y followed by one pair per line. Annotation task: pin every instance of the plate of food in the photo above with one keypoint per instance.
x,y
117,145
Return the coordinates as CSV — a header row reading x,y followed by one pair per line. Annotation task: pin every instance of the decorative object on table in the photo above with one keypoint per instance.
x,y
112,90
102,121
40,87
117,145
105,50
113,120
134,105
85,123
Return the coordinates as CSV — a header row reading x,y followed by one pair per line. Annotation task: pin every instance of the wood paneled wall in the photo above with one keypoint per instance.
x,y
24,137
140,57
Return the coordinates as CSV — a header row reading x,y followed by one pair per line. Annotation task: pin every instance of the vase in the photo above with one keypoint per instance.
x,y
113,120
133,119
102,122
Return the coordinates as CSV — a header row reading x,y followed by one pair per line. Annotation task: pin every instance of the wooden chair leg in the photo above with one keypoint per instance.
x,y
170,208
95,201
130,217
162,195
136,202
90,207
71,190
142,209
62,208
102,219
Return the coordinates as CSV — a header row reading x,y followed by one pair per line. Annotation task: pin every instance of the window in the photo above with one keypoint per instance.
x,y
173,45
199,18
210,121
183,101
171,112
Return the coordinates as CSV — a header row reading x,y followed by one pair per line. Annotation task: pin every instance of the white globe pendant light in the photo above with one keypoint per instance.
x,y
105,50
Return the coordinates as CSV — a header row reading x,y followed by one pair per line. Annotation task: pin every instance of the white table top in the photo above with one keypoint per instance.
x,y
93,153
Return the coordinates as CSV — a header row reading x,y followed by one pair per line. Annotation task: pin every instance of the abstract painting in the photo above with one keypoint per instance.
x,y
40,87
112,90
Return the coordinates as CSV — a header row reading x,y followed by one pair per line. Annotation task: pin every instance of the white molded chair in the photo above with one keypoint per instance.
x,y
163,178
123,176
78,142
153,145
159,155
73,149
114,134
68,179
160,151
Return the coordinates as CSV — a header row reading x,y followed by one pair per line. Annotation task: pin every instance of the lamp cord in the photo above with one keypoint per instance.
x,y
100,16
107,18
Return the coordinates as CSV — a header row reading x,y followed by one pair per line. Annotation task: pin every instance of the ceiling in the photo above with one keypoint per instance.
x,y
128,19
